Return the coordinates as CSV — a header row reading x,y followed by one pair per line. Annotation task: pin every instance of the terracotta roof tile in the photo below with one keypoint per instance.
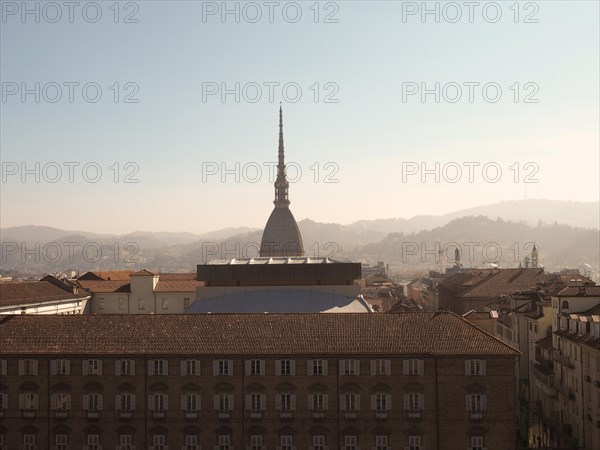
x,y
441,333
34,292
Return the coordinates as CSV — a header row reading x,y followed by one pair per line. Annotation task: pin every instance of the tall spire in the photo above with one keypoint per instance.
x,y
281,183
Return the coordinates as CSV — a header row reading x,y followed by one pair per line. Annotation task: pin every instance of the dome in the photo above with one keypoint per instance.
x,y
282,235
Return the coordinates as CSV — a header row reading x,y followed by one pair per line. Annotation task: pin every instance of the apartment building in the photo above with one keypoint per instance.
x,y
254,381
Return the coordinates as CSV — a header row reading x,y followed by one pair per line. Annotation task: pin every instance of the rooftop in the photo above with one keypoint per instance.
x,y
440,333
29,292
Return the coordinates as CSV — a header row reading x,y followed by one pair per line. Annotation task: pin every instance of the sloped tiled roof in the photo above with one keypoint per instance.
x,y
112,275
100,286
505,281
576,291
34,292
440,333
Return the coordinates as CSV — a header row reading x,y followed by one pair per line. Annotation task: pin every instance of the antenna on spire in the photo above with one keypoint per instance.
x,y
281,183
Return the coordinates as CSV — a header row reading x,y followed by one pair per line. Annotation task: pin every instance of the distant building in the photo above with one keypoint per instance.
x,y
263,381
47,296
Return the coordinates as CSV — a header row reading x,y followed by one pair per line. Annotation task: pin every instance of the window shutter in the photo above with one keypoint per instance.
x,y
342,370
118,363
215,367
68,401
198,402
183,368
278,402
263,402
309,366
197,367
388,401
483,369
21,401
68,367
53,367
467,367
357,401
216,402
421,367
230,367
468,402
342,402
85,367
373,402
373,367
293,402
388,367
311,402
484,402
132,402
166,367
166,403
151,367
100,402
151,402
99,367
86,402
405,367
357,367
230,402
406,402
118,402
132,365
421,402
53,401
36,401
248,401
325,402
325,367
293,367
35,367
262,367
278,367
3,367
248,367
184,402
21,367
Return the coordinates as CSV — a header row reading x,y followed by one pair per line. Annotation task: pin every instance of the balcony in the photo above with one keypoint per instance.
x,y
412,414
125,447
158,447
191,447
286,414
350,414
60,447
255,414
318,414
94,414
61,413
191,414
223,415
381,414
563,359
29,413
159,414
126,414
375,447
286,447
29,447
256,447
93,447
475,414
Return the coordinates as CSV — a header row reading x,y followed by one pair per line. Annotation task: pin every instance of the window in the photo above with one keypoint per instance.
x,y
286,403
223,367
190,403
381,404
125,367
29,442
476,442
223,442
223,403
474,367
414,443
3,367
165,303
349,367
93,404
318,403
190,367
285,367
350,403
61,442
92,367
413,404
317,367
158,403
28,367
476,404
125,403
256,442
186,303
159,442
381,443
60,367
28,403
565,304
413,367
286,442
122,304
93,442
255,403
350,443
381,367
101,304
318,443
141,303
191,442
3,402
126,441
255,367
158,367
60,403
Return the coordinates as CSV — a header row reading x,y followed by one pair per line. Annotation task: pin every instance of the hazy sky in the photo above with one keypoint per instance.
x,y
359,119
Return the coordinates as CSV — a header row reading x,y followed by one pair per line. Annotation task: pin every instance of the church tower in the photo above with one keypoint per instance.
x,y
281,236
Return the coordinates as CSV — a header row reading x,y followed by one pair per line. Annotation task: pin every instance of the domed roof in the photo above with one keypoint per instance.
x,y
282,235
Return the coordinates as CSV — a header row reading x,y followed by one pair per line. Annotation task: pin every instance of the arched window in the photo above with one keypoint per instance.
x,y
565,304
